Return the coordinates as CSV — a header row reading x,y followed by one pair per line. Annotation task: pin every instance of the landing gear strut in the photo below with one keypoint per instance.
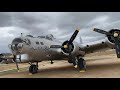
x,y
81,64
33,68
51,62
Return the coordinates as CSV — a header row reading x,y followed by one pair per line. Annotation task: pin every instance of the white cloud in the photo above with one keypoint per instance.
x,y
7,34
99,20
55,31
60,24
4,32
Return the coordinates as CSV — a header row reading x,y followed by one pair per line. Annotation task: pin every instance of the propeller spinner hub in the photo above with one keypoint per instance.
x,y
65,46
116,34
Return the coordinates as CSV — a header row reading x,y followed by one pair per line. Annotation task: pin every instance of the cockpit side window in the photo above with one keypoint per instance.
x,y
37,43
27,41
41,43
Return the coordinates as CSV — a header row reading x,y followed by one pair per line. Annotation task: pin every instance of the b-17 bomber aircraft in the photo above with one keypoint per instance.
x,y
29,49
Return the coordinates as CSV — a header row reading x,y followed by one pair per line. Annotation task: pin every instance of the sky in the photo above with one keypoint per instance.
x,y
60,24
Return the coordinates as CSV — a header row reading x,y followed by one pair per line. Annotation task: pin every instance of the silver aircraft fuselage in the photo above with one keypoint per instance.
x,y
34,49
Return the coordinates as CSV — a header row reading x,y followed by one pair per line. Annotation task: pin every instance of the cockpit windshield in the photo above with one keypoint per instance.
x,y
49,37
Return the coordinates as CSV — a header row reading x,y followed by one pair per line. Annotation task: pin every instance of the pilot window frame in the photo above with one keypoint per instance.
x,y
41,43
37,43
27,41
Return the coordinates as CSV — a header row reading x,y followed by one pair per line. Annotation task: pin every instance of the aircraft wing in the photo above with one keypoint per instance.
x,y
95,46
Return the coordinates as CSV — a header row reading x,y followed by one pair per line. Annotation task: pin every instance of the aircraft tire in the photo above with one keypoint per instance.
x,y
33,69
81,64
70,61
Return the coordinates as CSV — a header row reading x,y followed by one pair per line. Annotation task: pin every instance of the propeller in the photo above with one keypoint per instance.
x,y
101,31
68,45
69,42
115,36
56,46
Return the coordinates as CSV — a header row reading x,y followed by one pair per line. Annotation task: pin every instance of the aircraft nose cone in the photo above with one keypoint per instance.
x,y
17,45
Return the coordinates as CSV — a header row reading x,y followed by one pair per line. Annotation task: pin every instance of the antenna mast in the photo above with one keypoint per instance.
x,y
21,34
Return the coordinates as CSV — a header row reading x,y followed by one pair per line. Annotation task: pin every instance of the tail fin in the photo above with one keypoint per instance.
x,y
79,40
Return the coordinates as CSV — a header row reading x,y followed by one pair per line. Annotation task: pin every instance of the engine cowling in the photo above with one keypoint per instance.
x,y
75,49
109,40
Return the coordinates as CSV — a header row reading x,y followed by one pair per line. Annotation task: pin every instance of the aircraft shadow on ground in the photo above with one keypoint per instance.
x,y
103,66
57,69
89,67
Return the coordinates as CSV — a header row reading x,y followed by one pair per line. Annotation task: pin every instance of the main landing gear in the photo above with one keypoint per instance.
x,y
33,68
80,64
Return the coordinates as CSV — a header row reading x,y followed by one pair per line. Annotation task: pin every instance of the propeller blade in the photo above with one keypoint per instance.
x,y
70,55
56,46
101,31
73,36
2,59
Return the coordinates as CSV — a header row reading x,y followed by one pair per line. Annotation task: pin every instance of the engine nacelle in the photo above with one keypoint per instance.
x,y
24,58
75,49
110,40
